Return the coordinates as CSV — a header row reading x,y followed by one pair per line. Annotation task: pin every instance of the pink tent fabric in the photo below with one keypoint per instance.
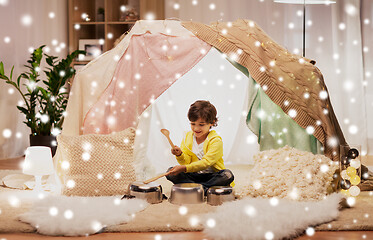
x,y
150,65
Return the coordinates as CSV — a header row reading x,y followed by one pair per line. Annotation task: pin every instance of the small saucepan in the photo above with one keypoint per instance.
x,y
186,193
148,190
217,195
151,192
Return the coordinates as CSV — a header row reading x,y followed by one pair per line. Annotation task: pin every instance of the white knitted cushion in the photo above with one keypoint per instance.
x,y
289,173
97,165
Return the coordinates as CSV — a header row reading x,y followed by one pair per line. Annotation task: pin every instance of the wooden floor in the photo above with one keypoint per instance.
x,y
184,236
16,164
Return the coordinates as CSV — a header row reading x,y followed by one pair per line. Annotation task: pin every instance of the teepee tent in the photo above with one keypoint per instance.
x,y
266,97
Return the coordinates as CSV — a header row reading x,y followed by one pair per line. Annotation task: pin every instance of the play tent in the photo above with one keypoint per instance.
x,y
266,97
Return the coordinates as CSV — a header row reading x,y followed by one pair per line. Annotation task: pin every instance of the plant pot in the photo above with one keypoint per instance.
x,y
100,17
48,141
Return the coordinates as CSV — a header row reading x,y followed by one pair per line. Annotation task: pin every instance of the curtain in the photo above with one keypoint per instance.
x,y
367,43
25,25
338,37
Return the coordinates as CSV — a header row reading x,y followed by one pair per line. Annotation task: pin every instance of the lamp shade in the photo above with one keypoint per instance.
x,y
305,1
38,161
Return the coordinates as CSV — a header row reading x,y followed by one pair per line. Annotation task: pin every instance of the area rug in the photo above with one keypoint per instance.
x,y
80,216
269,218
169,217
357,218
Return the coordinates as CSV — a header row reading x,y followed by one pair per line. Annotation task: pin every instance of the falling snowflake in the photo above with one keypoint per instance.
x,y
351,10
193,221
211,222
310,130
351,201
294,194
65,165
292,113
183,210
250,211
269,235
274,201
70,184
7,39
324,168
176,6
4,2
68,214
342,26
86,156
53,211
251,139
26,20
310,231
7,133
353,129
14,201
96,226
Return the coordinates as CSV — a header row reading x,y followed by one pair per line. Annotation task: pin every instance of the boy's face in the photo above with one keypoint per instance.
x,y
200,128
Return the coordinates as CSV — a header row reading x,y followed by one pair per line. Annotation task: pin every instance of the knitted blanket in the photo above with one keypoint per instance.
x,y
290,81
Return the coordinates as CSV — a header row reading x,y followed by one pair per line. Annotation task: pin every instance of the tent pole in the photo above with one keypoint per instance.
x,y
304,28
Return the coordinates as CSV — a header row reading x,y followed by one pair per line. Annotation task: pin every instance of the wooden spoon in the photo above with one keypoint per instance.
x,y
155,178
167,134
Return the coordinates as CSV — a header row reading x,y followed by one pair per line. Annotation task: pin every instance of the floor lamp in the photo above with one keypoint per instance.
x,y
304,3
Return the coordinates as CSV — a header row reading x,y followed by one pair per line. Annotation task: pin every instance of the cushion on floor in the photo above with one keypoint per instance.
x,y
96,165
289,173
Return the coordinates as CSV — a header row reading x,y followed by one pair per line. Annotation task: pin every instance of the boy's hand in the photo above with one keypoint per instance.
x,y
177,169
176,151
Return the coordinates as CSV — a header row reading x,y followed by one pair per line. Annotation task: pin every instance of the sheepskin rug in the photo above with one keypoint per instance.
x,y
80,216
289,173
258,218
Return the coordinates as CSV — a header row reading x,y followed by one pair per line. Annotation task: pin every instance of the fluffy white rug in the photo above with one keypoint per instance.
x,y
80,216
258,218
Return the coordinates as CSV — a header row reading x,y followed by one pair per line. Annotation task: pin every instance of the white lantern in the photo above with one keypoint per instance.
x,y
38,162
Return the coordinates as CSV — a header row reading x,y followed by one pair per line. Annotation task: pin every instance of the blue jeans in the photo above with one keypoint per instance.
x,y
222,178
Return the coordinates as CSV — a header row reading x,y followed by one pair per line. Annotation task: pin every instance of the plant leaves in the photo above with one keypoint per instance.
x,y
11,73
1,68
18,79
38,98
23,110
49,60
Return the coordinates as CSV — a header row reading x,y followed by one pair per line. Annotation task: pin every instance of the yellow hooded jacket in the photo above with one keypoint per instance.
x,y
212,149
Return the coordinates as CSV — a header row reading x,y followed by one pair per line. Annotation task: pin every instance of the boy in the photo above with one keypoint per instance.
x,y
201,151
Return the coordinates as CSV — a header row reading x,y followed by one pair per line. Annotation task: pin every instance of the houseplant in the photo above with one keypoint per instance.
x,y
45,101
100,14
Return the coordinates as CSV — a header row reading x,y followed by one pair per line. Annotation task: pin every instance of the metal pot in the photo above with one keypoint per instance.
x,y
216,195
187,193
151,192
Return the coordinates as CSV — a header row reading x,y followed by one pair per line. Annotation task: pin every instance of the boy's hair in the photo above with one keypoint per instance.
x,y
204,110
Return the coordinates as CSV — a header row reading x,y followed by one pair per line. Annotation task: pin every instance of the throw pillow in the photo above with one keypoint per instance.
x,y
97,165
